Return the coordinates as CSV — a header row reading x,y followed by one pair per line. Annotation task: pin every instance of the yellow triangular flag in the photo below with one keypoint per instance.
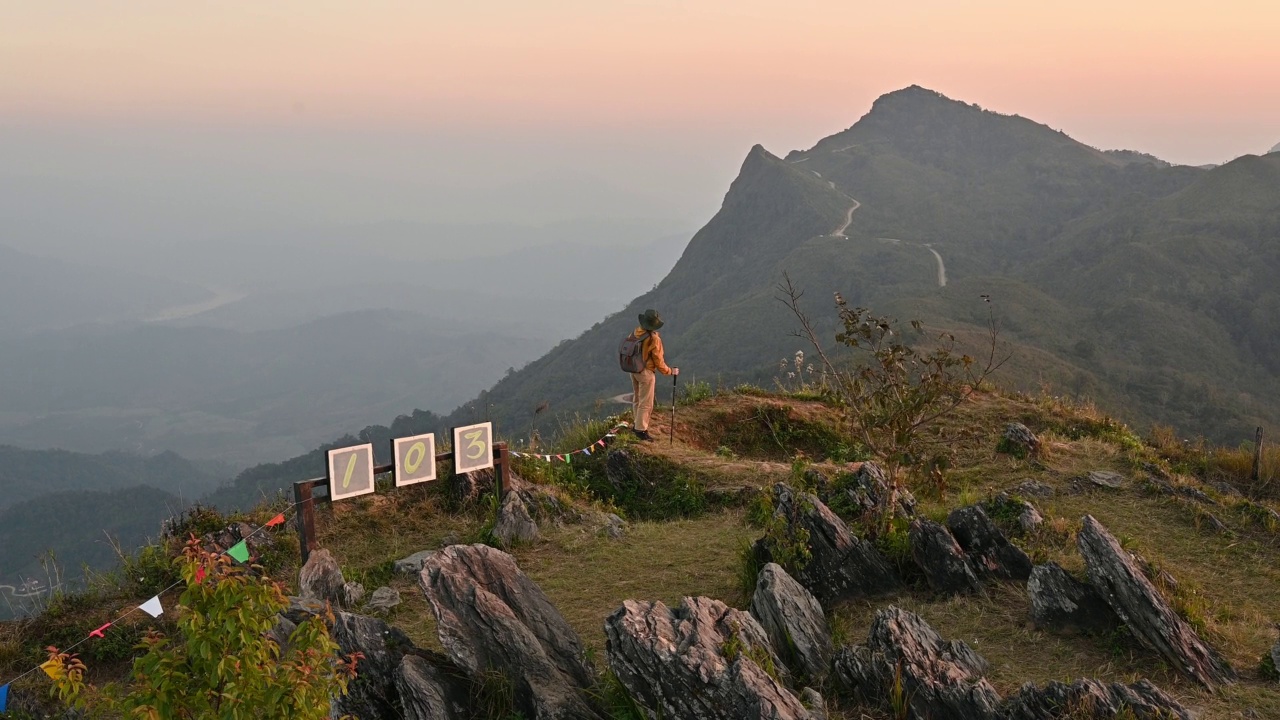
x,y
53,669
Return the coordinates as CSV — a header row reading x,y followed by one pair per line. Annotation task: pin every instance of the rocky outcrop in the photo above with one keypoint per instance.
x,y
840,565
1120,581
1059,601
990,552
1087,699
429,691
940,680
352,594
514,523
492,618
700,661
941,558
794,623
321,579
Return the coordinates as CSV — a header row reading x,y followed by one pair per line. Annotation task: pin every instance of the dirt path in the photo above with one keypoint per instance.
x,y
942,269
221,296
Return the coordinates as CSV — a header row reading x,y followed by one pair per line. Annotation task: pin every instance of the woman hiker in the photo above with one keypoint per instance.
x,y
643,382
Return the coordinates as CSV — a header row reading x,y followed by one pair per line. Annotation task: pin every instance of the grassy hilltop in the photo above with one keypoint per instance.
x,y
687,533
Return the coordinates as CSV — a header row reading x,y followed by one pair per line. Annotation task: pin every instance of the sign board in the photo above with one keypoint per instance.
x,y
350,471
472,448
415,459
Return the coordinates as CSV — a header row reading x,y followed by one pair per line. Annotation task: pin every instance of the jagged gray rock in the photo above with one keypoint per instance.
x,y
428,691
1274,655
940,557
1120,581
321,579
1033,488
614,526
491,617
352,594
990,552
942,680
699,661
383,600
1019,440
840,565
867,488
412,565
1028,518
1089,699
514,523
814,702
1107,479
794,622
1059,601
372,694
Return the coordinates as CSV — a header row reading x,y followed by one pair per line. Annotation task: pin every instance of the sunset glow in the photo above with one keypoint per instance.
x,y
1192,81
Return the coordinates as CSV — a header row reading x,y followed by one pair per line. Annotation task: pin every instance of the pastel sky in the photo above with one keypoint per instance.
x,y
636,87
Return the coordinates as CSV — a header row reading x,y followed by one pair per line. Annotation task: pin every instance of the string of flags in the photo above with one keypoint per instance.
x,y
153,607
564,457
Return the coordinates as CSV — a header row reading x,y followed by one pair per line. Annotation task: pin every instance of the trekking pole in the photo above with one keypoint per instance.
x,y
674,379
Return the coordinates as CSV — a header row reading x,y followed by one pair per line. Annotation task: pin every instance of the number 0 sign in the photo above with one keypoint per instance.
x,y
350,471
472,448
415,459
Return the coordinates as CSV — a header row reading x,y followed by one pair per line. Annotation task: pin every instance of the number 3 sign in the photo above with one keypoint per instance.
x,y
472,448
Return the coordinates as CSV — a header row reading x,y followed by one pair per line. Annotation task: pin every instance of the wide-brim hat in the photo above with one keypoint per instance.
x,y
650,320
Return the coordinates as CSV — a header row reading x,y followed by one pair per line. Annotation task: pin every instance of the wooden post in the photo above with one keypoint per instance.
x,y
1257,457
306,517
502,473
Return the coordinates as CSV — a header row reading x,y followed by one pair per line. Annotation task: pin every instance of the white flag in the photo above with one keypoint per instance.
x,y
152,607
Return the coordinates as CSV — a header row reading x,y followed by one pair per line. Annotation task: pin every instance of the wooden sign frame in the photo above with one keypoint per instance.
x,y
344,492
407,468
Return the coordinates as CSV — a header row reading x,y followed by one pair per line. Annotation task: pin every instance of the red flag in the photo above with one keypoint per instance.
x,y
98,633
600,442
277,520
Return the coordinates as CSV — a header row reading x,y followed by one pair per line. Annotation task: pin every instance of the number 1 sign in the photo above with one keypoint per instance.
x,y
472,448
350,471
415,459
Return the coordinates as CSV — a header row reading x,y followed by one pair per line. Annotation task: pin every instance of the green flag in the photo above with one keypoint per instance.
x,y
239,551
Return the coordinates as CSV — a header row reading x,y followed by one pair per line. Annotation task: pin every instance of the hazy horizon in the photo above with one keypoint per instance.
x,y
238,120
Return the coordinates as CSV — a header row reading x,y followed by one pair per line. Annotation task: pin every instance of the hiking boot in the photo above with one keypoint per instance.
x,y
643,435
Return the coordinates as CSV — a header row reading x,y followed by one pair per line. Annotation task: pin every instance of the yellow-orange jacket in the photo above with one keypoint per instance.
x,y
651,351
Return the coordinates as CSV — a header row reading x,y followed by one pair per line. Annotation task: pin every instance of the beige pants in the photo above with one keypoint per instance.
x,y
642,384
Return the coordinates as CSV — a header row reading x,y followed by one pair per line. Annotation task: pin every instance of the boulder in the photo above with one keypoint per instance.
x,y
944,563
700,661
1107,479
940,680
1120,581
1059,601
303,608
514,523
1024,516
867,491
321,579
1087,699
1018,440
491,617
794,622
989,551
1033,488
429,691
412,565
1271,663
812,700
840,565
383,600
614,526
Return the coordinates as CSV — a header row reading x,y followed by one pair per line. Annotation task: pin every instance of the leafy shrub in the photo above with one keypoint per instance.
x,y
226,665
